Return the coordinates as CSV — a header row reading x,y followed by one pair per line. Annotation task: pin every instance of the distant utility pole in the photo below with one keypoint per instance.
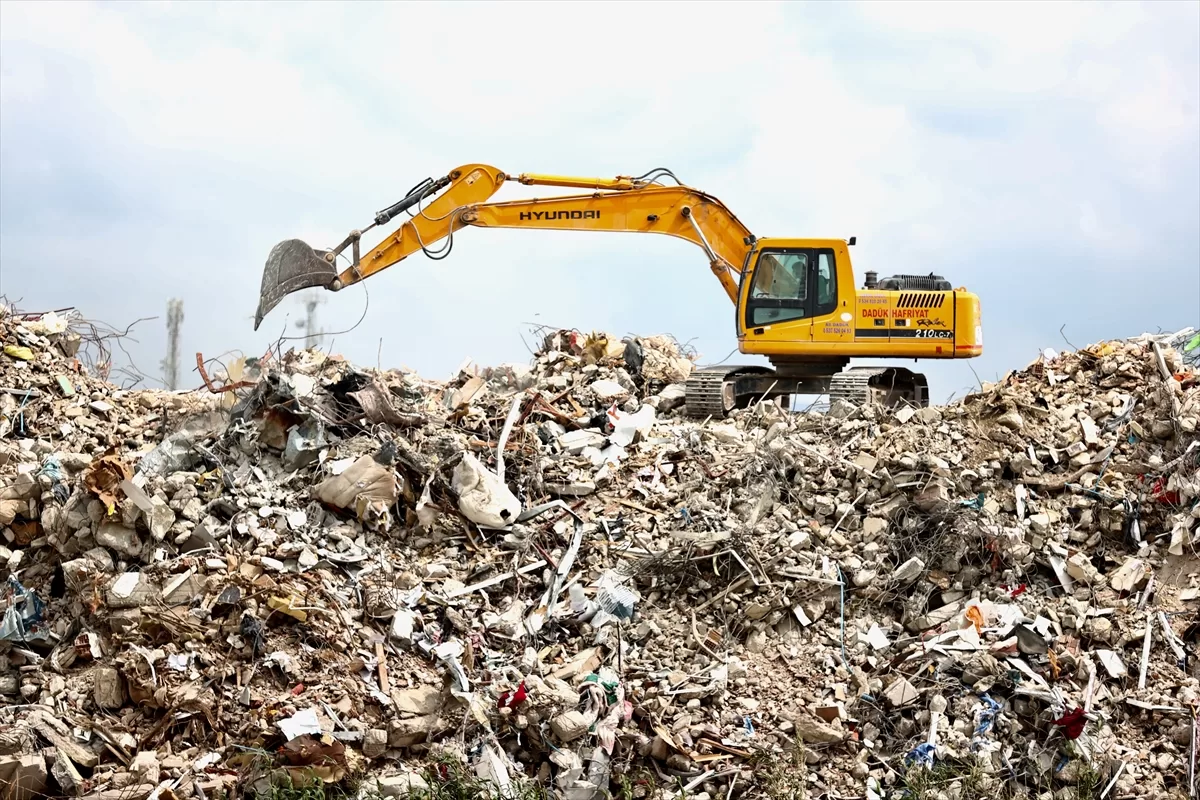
x,y
312,333
170,364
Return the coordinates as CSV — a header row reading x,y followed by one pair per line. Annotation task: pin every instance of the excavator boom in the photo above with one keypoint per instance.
x,y
622,204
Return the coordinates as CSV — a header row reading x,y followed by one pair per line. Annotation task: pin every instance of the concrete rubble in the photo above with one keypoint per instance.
x,y
545,573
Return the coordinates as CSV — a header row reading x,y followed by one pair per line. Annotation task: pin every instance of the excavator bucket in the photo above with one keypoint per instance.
x,y
291,266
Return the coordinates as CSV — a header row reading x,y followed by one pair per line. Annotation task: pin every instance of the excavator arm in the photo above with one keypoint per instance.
x,y
438,208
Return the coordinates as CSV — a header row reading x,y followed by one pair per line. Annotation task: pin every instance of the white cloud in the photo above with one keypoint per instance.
x,y
941,134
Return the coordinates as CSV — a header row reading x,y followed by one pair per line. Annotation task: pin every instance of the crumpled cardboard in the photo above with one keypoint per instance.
x,y
367,487
104,479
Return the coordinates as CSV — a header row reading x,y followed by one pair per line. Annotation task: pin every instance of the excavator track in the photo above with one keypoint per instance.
x,y
888,386
710,393
715,391
706,396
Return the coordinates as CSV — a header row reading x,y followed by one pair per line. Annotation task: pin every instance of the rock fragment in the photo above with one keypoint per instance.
x,y
375,743
107,688
812,730
121,538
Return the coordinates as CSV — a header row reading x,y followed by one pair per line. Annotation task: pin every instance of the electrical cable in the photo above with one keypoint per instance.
x,y
653,175
366,305
723,360
423,186
436,255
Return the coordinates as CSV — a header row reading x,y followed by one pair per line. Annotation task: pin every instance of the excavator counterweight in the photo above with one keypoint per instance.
x,y
795,299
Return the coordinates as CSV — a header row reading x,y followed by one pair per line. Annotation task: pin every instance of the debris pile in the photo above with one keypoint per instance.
x,y
315,574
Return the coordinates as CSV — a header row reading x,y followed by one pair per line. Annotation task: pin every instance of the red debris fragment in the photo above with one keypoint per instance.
x,y
1072,723
514,698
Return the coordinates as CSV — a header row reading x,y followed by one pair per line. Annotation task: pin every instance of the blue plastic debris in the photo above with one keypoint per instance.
x,y
976,503
52,468
617,600
921,755
23,613
748,725
987,718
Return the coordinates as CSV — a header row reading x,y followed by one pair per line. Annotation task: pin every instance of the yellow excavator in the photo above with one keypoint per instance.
x,y
795,299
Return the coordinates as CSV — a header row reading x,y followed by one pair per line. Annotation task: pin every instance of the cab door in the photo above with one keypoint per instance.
x,y
833,309
778,298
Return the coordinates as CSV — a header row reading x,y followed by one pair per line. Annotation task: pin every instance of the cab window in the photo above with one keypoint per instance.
x,y
780,289
826,283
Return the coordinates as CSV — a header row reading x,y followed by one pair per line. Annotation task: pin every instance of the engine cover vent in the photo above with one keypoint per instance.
x,y
922,283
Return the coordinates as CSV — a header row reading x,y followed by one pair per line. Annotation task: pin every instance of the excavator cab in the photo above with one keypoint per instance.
x,y
788,286
810,329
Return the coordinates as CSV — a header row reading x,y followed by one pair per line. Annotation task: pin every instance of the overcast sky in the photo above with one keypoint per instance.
x,y
1044,155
